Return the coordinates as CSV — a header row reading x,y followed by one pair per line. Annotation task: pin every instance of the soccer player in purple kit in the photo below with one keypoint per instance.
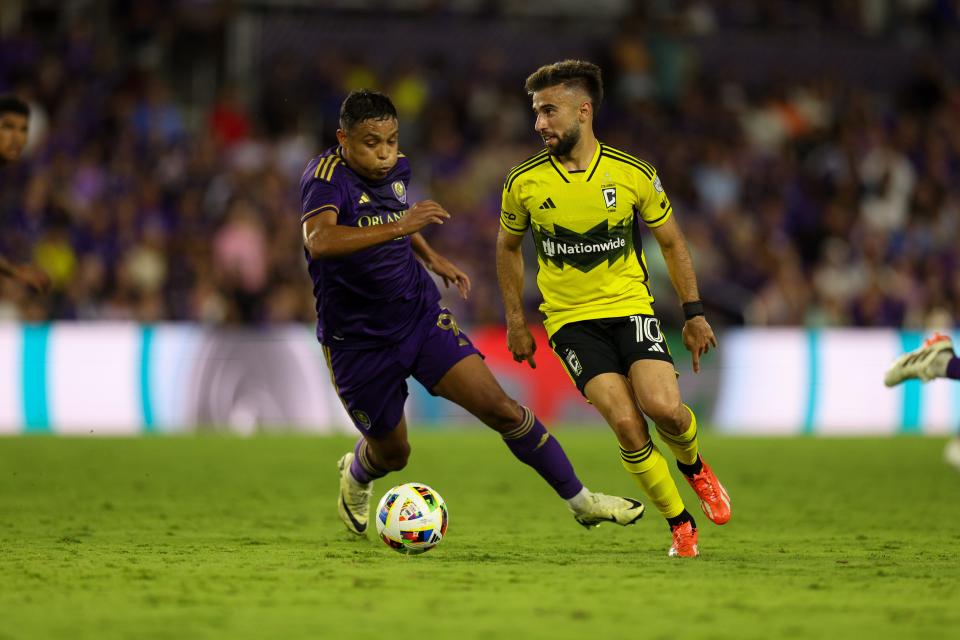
x,y
14,121
380,321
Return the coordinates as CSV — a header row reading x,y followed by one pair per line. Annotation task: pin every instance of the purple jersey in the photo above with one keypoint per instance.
x,y
376,296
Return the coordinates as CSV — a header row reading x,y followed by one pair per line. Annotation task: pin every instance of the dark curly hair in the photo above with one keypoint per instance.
x,y
365,104
571,73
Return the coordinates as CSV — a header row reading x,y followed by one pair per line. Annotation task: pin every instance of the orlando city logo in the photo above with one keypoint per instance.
x,y
361,418
400,191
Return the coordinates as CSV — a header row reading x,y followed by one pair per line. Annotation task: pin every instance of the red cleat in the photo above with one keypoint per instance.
x,y
684,541
714,499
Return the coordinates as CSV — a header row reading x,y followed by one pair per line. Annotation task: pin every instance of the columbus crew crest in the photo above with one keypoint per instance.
x,y
400,191
610,196
573,363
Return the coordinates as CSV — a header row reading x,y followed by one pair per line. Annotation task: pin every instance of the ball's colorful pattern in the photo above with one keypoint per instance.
x,y
412,518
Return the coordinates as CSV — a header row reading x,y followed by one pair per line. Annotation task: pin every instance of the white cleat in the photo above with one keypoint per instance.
x,y
353,503
952,453
925,363
603,508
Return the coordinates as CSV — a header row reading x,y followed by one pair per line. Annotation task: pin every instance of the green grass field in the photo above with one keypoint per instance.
x,y
218,537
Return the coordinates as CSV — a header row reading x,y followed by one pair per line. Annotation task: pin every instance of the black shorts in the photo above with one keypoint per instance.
x,y
608,345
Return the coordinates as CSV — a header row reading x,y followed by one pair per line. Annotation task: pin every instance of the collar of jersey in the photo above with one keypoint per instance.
x,y
579,176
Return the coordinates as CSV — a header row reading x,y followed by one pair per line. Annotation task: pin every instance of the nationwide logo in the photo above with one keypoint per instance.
x,y
584,251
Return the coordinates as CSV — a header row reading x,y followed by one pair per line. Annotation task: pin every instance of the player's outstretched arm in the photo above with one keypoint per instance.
x,y
520,341
32,276
698,336
324,238
440,265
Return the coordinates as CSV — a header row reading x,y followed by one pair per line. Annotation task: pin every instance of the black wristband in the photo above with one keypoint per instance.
x,y
693,309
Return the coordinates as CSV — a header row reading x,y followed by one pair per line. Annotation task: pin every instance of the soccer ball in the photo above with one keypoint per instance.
x,y
411,518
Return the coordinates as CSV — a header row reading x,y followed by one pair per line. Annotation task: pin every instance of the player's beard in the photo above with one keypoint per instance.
x,y
566,142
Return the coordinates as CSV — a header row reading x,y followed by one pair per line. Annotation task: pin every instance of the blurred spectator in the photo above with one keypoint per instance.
x,y
228,120
240,261
157,191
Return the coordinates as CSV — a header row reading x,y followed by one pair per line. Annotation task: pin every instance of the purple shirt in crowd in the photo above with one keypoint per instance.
x,y
373,297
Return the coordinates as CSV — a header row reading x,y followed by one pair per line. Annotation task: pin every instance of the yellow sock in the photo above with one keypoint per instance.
x,y
649,468
684,446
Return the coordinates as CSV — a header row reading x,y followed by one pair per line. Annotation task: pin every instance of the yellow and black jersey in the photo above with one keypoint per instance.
x,y
586,229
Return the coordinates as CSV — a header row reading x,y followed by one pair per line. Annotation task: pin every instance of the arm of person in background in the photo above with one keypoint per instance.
x,y
32,276
520,341
324,238
440,265
697,334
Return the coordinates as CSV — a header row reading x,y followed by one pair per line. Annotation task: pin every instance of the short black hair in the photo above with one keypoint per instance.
x,y
10,103
571,73
365,104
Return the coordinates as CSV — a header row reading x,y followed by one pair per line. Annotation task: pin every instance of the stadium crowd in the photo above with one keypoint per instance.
x,y
808,200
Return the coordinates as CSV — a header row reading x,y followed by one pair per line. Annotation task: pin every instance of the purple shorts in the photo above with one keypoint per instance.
x,y
372,383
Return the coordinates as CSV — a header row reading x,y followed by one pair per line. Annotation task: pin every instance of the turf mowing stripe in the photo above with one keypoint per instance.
x,y
813,379
34,376
146,342
912,389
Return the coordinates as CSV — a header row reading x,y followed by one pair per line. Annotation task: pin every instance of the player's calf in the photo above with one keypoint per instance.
x,y
393,458
501,413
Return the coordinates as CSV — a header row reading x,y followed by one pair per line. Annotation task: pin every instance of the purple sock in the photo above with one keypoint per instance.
x,y
362,469
532,444
953,368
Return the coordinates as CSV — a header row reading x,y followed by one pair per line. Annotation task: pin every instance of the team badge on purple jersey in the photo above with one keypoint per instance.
x,y
400,191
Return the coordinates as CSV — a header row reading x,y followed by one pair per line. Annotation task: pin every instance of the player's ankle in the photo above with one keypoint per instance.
x,y
951,366
691,470
940,363
680,518
580,501
359,484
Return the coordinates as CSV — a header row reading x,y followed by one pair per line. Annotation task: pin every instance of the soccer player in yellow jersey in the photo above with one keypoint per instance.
x,y
584,202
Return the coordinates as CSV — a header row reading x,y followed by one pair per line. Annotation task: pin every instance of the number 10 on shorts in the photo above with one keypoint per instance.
x,y
648,327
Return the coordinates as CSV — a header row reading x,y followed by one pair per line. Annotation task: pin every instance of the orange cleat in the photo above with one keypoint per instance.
x,y
714,499
684,541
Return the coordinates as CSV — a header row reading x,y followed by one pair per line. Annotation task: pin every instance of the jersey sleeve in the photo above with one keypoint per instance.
x,y
320,196
514,218
654,206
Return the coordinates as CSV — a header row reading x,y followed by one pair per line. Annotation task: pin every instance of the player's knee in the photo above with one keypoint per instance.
x,y
395,459
667,415
631,432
